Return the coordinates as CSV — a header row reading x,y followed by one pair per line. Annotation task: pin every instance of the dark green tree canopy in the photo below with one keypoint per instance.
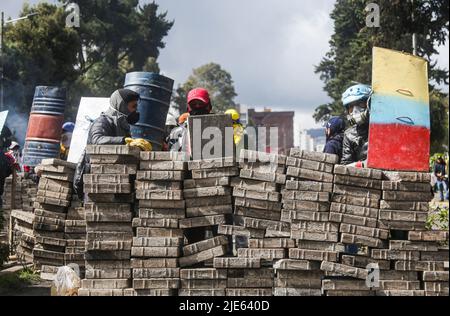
x,y
216,80
114,37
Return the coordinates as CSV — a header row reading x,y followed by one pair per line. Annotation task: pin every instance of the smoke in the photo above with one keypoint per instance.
x,y
18,124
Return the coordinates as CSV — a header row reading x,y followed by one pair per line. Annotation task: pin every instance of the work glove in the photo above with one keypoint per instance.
x,y
140,143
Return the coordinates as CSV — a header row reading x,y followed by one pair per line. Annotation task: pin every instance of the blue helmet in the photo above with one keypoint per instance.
x,y
68,127
355,93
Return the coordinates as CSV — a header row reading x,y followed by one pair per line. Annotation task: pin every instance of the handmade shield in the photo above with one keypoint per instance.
x,y
88,111
399,135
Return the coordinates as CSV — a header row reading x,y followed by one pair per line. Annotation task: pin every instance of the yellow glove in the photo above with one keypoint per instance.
x,y
238,133
142,144
128,140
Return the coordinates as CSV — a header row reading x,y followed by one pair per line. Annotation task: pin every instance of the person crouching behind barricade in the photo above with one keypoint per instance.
x,y
112,127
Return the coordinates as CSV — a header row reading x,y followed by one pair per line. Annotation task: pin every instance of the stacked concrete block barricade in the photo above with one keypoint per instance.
x,y
158,240
109,202
53,199
156,224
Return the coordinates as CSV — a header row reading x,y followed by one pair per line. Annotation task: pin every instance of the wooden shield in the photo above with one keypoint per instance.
x,y
399,135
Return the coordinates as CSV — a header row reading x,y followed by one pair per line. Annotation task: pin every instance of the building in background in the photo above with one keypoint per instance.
x,y
313,139
284,121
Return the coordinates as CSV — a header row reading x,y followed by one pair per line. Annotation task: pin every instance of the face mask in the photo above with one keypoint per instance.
x,y
359,116
133,118
202,111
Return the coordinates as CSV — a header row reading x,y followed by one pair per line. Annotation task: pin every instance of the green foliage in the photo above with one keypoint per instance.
x,y
114,37
17,281
29,276
350,57
216,80
439,122
434,158
438,220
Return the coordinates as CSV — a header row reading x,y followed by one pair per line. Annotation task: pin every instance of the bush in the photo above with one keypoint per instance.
x,y
438,220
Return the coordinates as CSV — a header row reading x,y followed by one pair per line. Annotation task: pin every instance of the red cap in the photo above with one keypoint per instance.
x,y
198,94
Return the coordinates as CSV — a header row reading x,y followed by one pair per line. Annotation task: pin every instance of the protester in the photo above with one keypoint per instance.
x,y
335,136
440,173
356,100
112,128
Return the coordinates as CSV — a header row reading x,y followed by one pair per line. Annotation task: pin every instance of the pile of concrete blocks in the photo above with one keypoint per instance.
x,y
7,206
306,205
157,246
257,198
420,265
200,281
23,235
209,204
355,208
208,197
245,276
29,192
75,235
260,237
108,214
405,202
50,208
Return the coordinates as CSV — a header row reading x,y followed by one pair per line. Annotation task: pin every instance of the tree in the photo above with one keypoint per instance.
x,y
216,80
38,52
350,57
114,37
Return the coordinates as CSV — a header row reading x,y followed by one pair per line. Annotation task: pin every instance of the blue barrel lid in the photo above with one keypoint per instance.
x,y
148,79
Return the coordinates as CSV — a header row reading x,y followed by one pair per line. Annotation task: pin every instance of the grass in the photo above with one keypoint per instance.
x,y
18,280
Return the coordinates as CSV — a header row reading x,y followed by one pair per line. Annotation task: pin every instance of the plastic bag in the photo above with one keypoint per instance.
x,y
67,282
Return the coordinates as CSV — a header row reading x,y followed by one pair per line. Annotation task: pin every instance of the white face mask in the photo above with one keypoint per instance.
x,y
359,115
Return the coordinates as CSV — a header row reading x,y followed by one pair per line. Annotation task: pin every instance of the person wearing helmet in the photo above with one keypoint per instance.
x,y
238,128
356,100
334,131
66,138
198,103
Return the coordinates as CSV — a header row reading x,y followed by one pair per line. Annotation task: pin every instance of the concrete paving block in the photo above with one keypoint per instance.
x,y
159,232
237,263
315,156
309,174
309,164
306,206
354,210
240,231
362,240
207,192
259,156
168,283
205,245
357,191
209,201
209,210
163,165
314,255
215,173
439,236
162,204
161,175
202,256
311,186
364,231
162,213
202,221
155,252
257,195
154,263
277,178
407,196
216,163
401,176
203,274
353,220
295,216
314,236
271,243
119,169
163,156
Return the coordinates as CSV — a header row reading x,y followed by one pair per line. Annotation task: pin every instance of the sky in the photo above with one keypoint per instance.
x,y
270,47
